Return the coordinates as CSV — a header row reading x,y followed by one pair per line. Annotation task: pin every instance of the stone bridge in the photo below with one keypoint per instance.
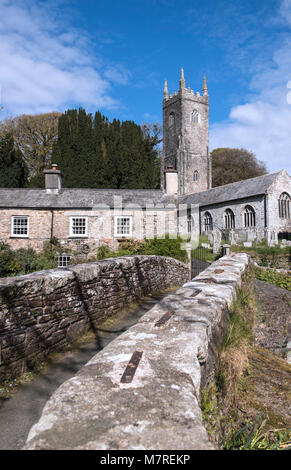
x,y
142,391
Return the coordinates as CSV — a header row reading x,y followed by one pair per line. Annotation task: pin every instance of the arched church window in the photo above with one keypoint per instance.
x,y
172,120
229,221
249,216
195,176
284,206
195,117
207,222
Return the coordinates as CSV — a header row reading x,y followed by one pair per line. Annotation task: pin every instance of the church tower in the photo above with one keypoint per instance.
x,y
186,138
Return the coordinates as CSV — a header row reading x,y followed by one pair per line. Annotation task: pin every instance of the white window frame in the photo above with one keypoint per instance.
x,y
125,235
79,235
60,259
19,235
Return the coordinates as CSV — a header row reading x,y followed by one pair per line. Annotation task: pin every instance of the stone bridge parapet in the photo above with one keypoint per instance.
x,y
46,311
142,390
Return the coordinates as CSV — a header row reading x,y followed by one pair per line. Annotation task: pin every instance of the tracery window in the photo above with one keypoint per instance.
x,y
284,206
229,221
195,175
207,222
249,216
195,116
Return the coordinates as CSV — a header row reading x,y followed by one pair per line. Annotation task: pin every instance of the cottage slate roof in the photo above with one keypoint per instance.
x,y
83,198
79,198
229,192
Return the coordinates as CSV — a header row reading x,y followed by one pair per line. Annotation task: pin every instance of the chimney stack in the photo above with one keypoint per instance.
x,y
53,180
171,181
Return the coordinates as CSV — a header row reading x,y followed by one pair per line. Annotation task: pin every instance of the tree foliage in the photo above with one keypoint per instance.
x,y
231,164
34,136
13,170
92,152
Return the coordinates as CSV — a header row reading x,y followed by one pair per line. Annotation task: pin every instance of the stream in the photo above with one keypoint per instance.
x,y
21,411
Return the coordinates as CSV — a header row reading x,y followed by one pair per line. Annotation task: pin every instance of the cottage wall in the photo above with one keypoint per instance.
x,y
100,226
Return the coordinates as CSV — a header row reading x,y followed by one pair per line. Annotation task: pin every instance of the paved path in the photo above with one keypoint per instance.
x,y
20,412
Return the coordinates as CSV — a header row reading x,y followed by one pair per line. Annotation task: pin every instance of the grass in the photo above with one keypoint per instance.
x,y
233,354
253,436
268,256
237,382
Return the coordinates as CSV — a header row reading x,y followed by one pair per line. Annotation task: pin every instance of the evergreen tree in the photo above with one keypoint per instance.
x,y
13,170
95,153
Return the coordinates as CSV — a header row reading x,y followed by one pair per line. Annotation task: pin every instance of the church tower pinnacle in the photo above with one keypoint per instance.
x,y
166,93
186,137
204,88
182,80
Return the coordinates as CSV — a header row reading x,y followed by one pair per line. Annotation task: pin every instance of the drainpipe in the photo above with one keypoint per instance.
x,y
52,226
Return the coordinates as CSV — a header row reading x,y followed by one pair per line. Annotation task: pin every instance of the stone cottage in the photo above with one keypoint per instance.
x,y
84,219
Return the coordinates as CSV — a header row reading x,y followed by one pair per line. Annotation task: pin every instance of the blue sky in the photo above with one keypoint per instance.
x,y
114,56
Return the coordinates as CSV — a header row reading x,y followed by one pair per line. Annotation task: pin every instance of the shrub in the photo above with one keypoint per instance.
x,y
6,258
167,246
104,252
273,277
46,259
22,261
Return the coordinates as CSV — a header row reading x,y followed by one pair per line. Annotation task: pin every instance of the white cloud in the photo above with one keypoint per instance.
x,y
263,124
45,65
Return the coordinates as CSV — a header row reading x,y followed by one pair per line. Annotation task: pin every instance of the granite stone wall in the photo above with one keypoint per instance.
x,y
142,391
46,311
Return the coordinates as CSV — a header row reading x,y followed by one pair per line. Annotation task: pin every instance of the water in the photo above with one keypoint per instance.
x,y
20,412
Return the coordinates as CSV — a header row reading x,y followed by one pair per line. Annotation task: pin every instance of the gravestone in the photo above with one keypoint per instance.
x,y
216,241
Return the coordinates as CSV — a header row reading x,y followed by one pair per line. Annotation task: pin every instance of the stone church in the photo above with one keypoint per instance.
x,y
84,219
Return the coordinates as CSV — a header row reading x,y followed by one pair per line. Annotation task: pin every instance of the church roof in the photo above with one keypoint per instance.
x,y
80,198
230,192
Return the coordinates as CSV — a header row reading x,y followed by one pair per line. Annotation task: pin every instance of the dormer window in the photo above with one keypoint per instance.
x,y
195,117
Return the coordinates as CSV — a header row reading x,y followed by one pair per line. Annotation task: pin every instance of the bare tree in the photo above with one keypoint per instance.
x,y
34,135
